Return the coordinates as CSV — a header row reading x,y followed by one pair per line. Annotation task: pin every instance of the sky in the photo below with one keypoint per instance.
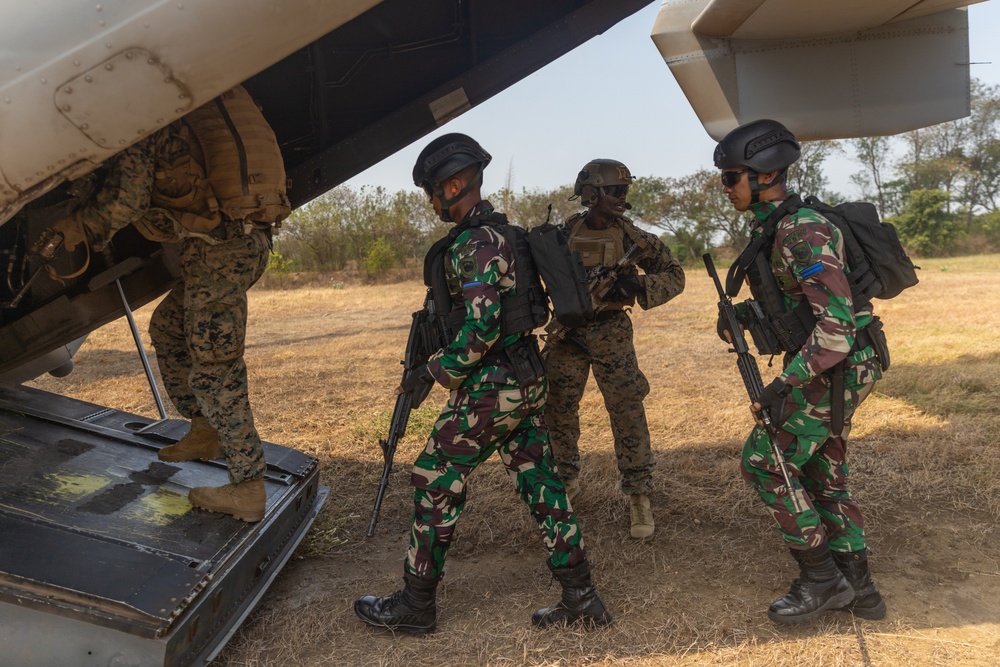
x,y
544,128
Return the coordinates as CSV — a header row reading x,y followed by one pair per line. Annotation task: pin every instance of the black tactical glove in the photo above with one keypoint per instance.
x,y
418,380
418,384
772,399
625,287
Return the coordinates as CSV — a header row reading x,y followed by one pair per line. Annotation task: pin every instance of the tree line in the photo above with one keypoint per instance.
x,y
940,187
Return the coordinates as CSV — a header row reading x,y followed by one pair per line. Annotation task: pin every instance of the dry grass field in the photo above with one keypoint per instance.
x,y
925,465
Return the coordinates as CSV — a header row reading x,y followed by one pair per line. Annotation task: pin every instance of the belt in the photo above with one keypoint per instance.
x,y
606,315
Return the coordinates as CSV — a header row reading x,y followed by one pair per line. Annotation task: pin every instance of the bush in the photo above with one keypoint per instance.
x,y
278,263
925,226
379,258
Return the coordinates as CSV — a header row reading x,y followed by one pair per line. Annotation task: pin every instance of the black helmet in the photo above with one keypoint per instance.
x,y
596,175
763,145
446,156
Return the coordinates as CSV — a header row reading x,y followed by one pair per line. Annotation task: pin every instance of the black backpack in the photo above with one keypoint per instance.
x,y
880,267
562,272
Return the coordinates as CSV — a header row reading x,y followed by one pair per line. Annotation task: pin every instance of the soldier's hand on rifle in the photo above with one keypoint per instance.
x,y
771,399
720,328
626,286
417,382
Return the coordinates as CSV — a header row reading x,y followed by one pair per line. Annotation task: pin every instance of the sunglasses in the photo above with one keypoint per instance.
x,y
731,178
616,190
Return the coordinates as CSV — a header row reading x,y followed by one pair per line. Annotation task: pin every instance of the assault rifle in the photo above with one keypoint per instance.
x,y
418,347
601,280
751,375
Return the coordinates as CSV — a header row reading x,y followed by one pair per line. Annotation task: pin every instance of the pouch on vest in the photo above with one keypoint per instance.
x,y
242,159
563,274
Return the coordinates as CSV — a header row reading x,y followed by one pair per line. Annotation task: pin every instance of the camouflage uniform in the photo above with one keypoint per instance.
x,y
199,329
616,369
807,262
487,411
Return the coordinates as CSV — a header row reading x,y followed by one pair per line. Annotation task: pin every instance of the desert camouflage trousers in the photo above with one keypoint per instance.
x,y
623,386
476,422
816,462
199,333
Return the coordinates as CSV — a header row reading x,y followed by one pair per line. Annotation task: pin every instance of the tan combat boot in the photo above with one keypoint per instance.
x,y
572,488
201,442
642,516
244,500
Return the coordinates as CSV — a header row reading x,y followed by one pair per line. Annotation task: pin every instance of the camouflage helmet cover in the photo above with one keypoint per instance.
x,y
597,174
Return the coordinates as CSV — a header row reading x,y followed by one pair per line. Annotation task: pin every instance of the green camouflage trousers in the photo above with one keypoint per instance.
x,y
477,421
199,333
816,462
623,386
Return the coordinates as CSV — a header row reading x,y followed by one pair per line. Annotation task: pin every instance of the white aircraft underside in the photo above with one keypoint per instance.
x,y
828,69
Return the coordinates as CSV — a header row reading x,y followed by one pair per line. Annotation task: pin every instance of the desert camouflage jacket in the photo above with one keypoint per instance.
x,y
664,275
807,261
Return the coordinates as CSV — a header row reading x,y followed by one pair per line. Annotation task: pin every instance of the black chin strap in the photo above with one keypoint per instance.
x,y
446,203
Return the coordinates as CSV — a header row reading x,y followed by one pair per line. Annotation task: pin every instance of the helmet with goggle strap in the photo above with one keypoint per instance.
x,y
597,177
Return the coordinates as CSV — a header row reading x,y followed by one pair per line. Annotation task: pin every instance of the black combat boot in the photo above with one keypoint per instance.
x,y
820,587
868,602
579,601
411,610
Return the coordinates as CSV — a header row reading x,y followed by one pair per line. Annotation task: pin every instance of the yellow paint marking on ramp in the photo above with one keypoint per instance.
x,y
160,507
72,487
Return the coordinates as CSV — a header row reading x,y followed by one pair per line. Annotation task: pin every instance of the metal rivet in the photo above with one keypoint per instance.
x,y
67,90
88,78
109,67
45,81
76,63
151,61
182,96
159,120
121,141
168,79
108,45
65,107
6,100
129,56
84,126
98,7
62,161
178,109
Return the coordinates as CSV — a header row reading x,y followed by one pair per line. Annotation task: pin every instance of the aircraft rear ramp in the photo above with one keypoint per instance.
x,y
102,559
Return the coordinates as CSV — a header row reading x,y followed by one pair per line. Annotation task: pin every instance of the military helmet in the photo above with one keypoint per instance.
x,y
598,174
446,156
762,145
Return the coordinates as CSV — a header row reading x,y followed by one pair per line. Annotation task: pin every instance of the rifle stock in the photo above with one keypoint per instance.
x,y
747,365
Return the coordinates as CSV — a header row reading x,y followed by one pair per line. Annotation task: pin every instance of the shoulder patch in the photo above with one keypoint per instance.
x,y
802,252
467,268
811,270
